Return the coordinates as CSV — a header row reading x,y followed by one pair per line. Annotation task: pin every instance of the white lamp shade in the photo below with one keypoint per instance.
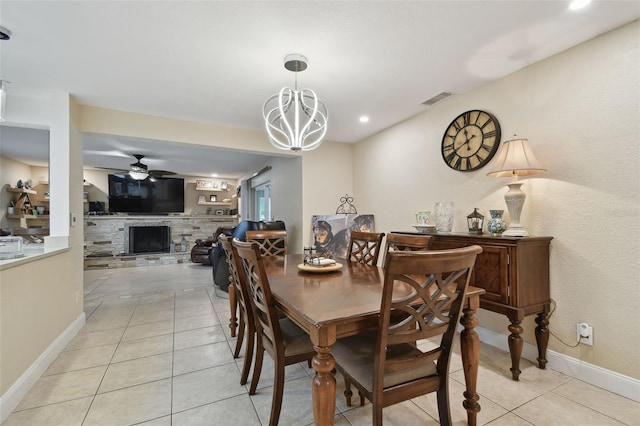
x,y
515,159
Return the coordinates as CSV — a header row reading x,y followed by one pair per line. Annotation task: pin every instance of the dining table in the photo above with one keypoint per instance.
x,y
329,303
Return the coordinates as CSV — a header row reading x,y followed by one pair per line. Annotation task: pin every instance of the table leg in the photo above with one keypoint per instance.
x,y
233,308
324,386
542,338
470,349
515,348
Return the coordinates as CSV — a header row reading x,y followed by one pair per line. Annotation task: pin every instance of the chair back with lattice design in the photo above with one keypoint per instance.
x,y
266,318
438,280
405,242
271,242
364,247
242,291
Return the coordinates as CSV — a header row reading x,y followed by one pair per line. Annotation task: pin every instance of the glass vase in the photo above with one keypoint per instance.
x,y
444,216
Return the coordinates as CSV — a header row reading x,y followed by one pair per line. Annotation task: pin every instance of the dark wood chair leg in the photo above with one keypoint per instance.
x,y
347,392
241,330
248,354
257,369
278,389
233,307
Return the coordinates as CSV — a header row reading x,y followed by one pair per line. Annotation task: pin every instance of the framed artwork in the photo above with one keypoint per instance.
x,y
201,199
213,198
330,233
204,184
214,185
223,185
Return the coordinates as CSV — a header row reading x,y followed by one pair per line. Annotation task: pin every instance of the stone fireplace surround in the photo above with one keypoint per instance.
x,y
105,245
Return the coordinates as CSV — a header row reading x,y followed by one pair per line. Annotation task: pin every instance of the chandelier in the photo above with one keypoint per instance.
x,y
295,119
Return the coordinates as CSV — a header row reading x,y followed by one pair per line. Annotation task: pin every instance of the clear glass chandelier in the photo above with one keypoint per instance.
x,y
295,119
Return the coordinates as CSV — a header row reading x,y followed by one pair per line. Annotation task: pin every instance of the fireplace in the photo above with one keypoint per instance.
x,y
147,238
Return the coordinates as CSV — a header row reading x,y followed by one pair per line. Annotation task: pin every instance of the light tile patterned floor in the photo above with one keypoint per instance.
x,y
156,350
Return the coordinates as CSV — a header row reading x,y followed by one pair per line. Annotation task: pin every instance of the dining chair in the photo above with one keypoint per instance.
x,y
405,242
279,337
385,365
271,242
246,322
364,247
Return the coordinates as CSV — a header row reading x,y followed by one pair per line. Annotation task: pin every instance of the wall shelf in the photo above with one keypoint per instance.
x,y
213,203
22,191
27,216
212,189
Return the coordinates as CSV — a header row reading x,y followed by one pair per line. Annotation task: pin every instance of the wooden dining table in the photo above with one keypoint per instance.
x,y
335,304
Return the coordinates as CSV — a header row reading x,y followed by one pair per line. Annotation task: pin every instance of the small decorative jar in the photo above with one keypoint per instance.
x,y
496,224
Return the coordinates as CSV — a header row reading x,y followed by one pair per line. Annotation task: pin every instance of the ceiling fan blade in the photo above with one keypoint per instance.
x,y
111,168
161,173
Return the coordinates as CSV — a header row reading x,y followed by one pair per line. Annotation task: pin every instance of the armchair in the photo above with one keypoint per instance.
x,y
201,251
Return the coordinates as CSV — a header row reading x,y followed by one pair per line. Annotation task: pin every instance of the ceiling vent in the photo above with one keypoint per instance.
x,y
437,98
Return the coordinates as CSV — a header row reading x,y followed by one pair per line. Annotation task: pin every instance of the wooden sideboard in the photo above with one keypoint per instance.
x,y
515,275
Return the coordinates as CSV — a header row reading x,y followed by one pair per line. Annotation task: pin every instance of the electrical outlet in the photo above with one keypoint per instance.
x,y
584,333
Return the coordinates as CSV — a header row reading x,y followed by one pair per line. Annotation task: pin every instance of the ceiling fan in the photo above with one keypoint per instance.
x,y
140,171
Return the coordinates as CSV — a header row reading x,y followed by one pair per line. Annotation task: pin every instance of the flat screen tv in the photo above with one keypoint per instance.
x,y
151,196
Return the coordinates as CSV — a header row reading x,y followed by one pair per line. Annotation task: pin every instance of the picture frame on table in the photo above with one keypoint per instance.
x,y
224,185
213,198
201,199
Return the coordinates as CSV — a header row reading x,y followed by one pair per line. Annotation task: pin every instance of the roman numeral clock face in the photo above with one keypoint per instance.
x,y
471,141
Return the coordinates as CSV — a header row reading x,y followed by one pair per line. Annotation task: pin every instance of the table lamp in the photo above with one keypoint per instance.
x,y
515,159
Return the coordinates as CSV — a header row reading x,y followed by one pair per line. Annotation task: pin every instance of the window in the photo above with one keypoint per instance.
x,y
262,202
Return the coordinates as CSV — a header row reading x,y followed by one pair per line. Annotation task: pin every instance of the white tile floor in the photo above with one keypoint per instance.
x,y
156,350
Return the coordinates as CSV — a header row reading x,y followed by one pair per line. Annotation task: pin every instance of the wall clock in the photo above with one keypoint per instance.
x,y
471,140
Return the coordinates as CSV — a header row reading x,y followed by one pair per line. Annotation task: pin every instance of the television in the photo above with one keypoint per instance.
x,y
150,196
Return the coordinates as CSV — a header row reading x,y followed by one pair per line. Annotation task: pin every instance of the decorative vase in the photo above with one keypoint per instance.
x,y
444,216
496,224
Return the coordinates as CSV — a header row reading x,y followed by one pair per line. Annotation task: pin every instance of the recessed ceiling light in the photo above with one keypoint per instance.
x,y
214,175
578,4
364,119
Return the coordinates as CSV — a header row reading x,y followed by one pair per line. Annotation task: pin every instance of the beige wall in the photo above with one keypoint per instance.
x,y
39,300
580,111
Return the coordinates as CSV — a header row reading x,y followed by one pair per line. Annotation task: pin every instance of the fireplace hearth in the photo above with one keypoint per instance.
x,y
147,238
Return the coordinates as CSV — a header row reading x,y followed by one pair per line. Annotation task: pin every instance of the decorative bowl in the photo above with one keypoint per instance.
x,y
425,228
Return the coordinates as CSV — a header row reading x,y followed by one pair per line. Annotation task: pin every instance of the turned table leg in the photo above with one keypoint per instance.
x,y
470,351
233,308
542,338
324,386
515,348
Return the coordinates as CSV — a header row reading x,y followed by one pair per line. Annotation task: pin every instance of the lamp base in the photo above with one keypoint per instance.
x,y
515,232
514,198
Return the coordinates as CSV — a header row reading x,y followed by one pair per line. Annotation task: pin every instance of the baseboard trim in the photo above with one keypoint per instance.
x,y
606,379
12,397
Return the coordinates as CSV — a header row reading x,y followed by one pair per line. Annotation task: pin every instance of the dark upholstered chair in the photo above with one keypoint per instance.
x,y
218,260
386,365
201,251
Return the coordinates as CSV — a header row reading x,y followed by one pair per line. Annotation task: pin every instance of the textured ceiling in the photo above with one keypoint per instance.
x,y
218,61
